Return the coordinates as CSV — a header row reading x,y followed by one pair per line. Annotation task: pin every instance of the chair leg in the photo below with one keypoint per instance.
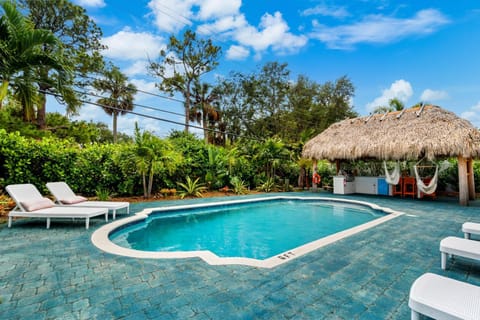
x,y
9,222
87,222
467,235
114,213
444,260
415,315
48,223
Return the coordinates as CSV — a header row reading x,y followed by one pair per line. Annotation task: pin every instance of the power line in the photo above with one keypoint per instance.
x,y
134,104
152,117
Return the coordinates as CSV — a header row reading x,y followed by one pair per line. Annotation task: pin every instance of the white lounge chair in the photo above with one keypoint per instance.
x,y
443,298
469,228
65,196
30,203
455,246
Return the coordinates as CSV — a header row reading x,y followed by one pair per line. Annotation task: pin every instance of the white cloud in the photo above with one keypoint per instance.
x,y
272,32
172,15
400,89
223,19
223,25
322,10
379,29
472,115
90,112
91,3
129,45
137,68
145,86
429,95
218,8
237,53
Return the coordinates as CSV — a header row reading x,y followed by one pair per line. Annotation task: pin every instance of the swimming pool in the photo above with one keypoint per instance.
x,y
262,232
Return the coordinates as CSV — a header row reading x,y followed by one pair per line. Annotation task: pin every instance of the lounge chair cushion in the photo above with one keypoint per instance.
x,y
73,200
37,204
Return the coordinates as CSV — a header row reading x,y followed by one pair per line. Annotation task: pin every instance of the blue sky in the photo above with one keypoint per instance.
x,y
412,50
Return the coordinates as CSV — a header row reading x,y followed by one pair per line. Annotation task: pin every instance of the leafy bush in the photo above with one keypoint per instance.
x,y
192,188
268,186
238,186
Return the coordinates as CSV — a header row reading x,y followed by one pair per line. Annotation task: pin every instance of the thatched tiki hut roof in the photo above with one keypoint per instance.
x,y
424,132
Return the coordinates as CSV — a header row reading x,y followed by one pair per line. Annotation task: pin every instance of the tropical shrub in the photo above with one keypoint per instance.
x,y
238,185
268,186
191,188
102,194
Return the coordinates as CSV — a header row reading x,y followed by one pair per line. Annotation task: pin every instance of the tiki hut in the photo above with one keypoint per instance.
x,y
428,132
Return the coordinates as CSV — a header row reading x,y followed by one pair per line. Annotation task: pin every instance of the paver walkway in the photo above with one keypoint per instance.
x,y
59,274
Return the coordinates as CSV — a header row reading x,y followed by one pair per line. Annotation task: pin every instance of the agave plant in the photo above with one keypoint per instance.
x,y
191,188
268,186
102,194
238,185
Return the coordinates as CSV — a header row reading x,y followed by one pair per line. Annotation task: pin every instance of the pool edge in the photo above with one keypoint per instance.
x,y
100,237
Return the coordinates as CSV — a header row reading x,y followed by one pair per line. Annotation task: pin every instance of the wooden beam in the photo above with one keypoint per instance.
x,y
462,181
471,179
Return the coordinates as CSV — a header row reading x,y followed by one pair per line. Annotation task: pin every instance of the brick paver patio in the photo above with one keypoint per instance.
x,y
59,274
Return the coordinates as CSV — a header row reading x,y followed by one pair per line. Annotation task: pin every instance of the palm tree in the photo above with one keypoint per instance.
x,y
21,56
394,104
152,156
121,95
203,110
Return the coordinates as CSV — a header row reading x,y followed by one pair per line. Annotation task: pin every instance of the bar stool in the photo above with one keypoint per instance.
x,y
409,186
397,189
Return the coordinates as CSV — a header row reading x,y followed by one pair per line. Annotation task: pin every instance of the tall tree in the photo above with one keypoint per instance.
x,y
272,85
81,39
335,99
120,95
182,63
21,55
204,95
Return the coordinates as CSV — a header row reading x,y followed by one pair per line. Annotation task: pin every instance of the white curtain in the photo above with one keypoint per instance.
x,y
394,177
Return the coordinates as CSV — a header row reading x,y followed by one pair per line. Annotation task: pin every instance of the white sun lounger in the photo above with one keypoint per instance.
x,y
469,228
65,196
31,204
444,298
455,246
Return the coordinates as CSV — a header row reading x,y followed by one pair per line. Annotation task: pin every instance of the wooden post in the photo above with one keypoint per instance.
x,y
471,179
462,181
337,162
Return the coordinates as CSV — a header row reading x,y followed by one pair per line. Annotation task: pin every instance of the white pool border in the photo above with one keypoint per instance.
x,y
100,238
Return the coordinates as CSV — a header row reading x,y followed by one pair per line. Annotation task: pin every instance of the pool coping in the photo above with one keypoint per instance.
x,y
100,238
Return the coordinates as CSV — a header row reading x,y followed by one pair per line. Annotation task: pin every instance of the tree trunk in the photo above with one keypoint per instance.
x,y
144,180
150,183
115,127
187,108
42,111
205,124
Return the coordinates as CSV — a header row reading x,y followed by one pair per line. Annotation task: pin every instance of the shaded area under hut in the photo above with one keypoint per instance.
x,y
426,132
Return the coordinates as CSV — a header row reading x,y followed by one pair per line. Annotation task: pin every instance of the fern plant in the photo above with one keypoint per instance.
x,y
191,188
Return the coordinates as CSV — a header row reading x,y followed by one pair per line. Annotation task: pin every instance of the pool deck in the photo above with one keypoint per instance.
x,y
59,274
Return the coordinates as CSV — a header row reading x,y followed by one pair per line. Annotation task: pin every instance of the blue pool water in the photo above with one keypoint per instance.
x,y
256,230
